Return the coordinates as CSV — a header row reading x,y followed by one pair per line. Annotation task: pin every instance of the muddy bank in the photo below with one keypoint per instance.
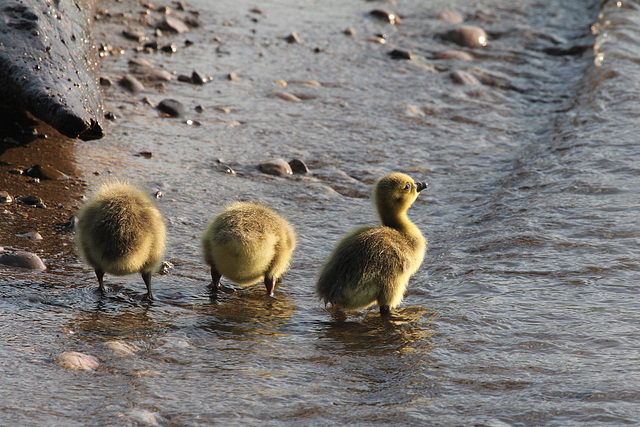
x,y
49,63
24,143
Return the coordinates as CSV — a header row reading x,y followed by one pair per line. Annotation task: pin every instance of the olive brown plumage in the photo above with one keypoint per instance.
x,y
120,231
373,264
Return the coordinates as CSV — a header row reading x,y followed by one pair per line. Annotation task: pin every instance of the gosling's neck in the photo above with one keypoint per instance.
x,y
398,220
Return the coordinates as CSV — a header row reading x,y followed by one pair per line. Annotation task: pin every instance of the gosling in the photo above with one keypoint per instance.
x,y
247,242
120,231
373,264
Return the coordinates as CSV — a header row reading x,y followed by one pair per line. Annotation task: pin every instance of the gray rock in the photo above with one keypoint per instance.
x,y
171,107
131,84
277,167
467,36
22,260
298,166
173,25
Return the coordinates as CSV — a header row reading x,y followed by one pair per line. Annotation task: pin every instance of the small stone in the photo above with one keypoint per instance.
x,y
450,16
5,197
467,36
34,181
173,25
165,267
145,154
121,348
199,78
22,260
287,96
32,235
349,31
46,172
401,54
131,84
16,171
293,38
199,109
30,200
233,77
385,15
110,116
171,107
158,75
277,167
136,36
158,195
464,78
453,54
151,46
70,225
105,81
77,361
298,166
169,48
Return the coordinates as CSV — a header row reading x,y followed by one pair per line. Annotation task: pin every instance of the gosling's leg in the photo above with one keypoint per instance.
x,y
385,311
215,279
100,276
270,284
146,276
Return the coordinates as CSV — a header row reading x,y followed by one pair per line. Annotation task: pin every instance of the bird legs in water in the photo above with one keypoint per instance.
x,y
270,284
385,311
215,279
146,276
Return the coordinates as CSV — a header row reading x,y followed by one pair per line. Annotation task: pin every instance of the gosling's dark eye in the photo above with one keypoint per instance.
x,y
407,186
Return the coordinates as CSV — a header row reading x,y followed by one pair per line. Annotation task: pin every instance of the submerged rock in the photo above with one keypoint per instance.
x,y
385,15
77,361
298,166
22,260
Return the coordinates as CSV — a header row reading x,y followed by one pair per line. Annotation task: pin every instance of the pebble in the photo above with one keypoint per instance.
x,y
385,15
158,75
32,235
401,54
131,84
165,267
46,172
298,166
450,16
77,361
467,36
453,54
106,82
5,197
32,200
22,260
121,348
199,78
171,107
277,167
293,38
136,36
349,31
173,25
169,48
287,96
464,78
234,77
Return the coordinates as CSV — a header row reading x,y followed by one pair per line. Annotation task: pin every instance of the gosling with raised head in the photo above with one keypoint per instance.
x,y
247,242
120,231
373,264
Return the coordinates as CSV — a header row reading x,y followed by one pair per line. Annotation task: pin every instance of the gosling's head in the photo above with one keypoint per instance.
x,y
396,192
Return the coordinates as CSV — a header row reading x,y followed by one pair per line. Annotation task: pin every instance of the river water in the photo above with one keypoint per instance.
x,y
525,311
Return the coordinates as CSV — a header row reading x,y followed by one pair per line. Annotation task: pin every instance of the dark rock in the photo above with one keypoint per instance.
x,y
199,78
293,38
277,167
29,200
153,46
145,154
136,36
386,15
5,197
173,25
169,48
16,171
298,166
131,84
401,54
184,78
22,260
105,81
467,36
46,172
350,32
171,107
48,65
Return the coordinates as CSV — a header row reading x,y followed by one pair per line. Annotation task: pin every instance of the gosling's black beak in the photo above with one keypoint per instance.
x,y
421,186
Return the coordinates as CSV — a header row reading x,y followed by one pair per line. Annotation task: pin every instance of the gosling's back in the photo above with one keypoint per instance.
x,y
120,231
248,241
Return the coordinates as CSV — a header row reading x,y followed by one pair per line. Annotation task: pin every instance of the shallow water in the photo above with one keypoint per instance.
x,y
524,311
